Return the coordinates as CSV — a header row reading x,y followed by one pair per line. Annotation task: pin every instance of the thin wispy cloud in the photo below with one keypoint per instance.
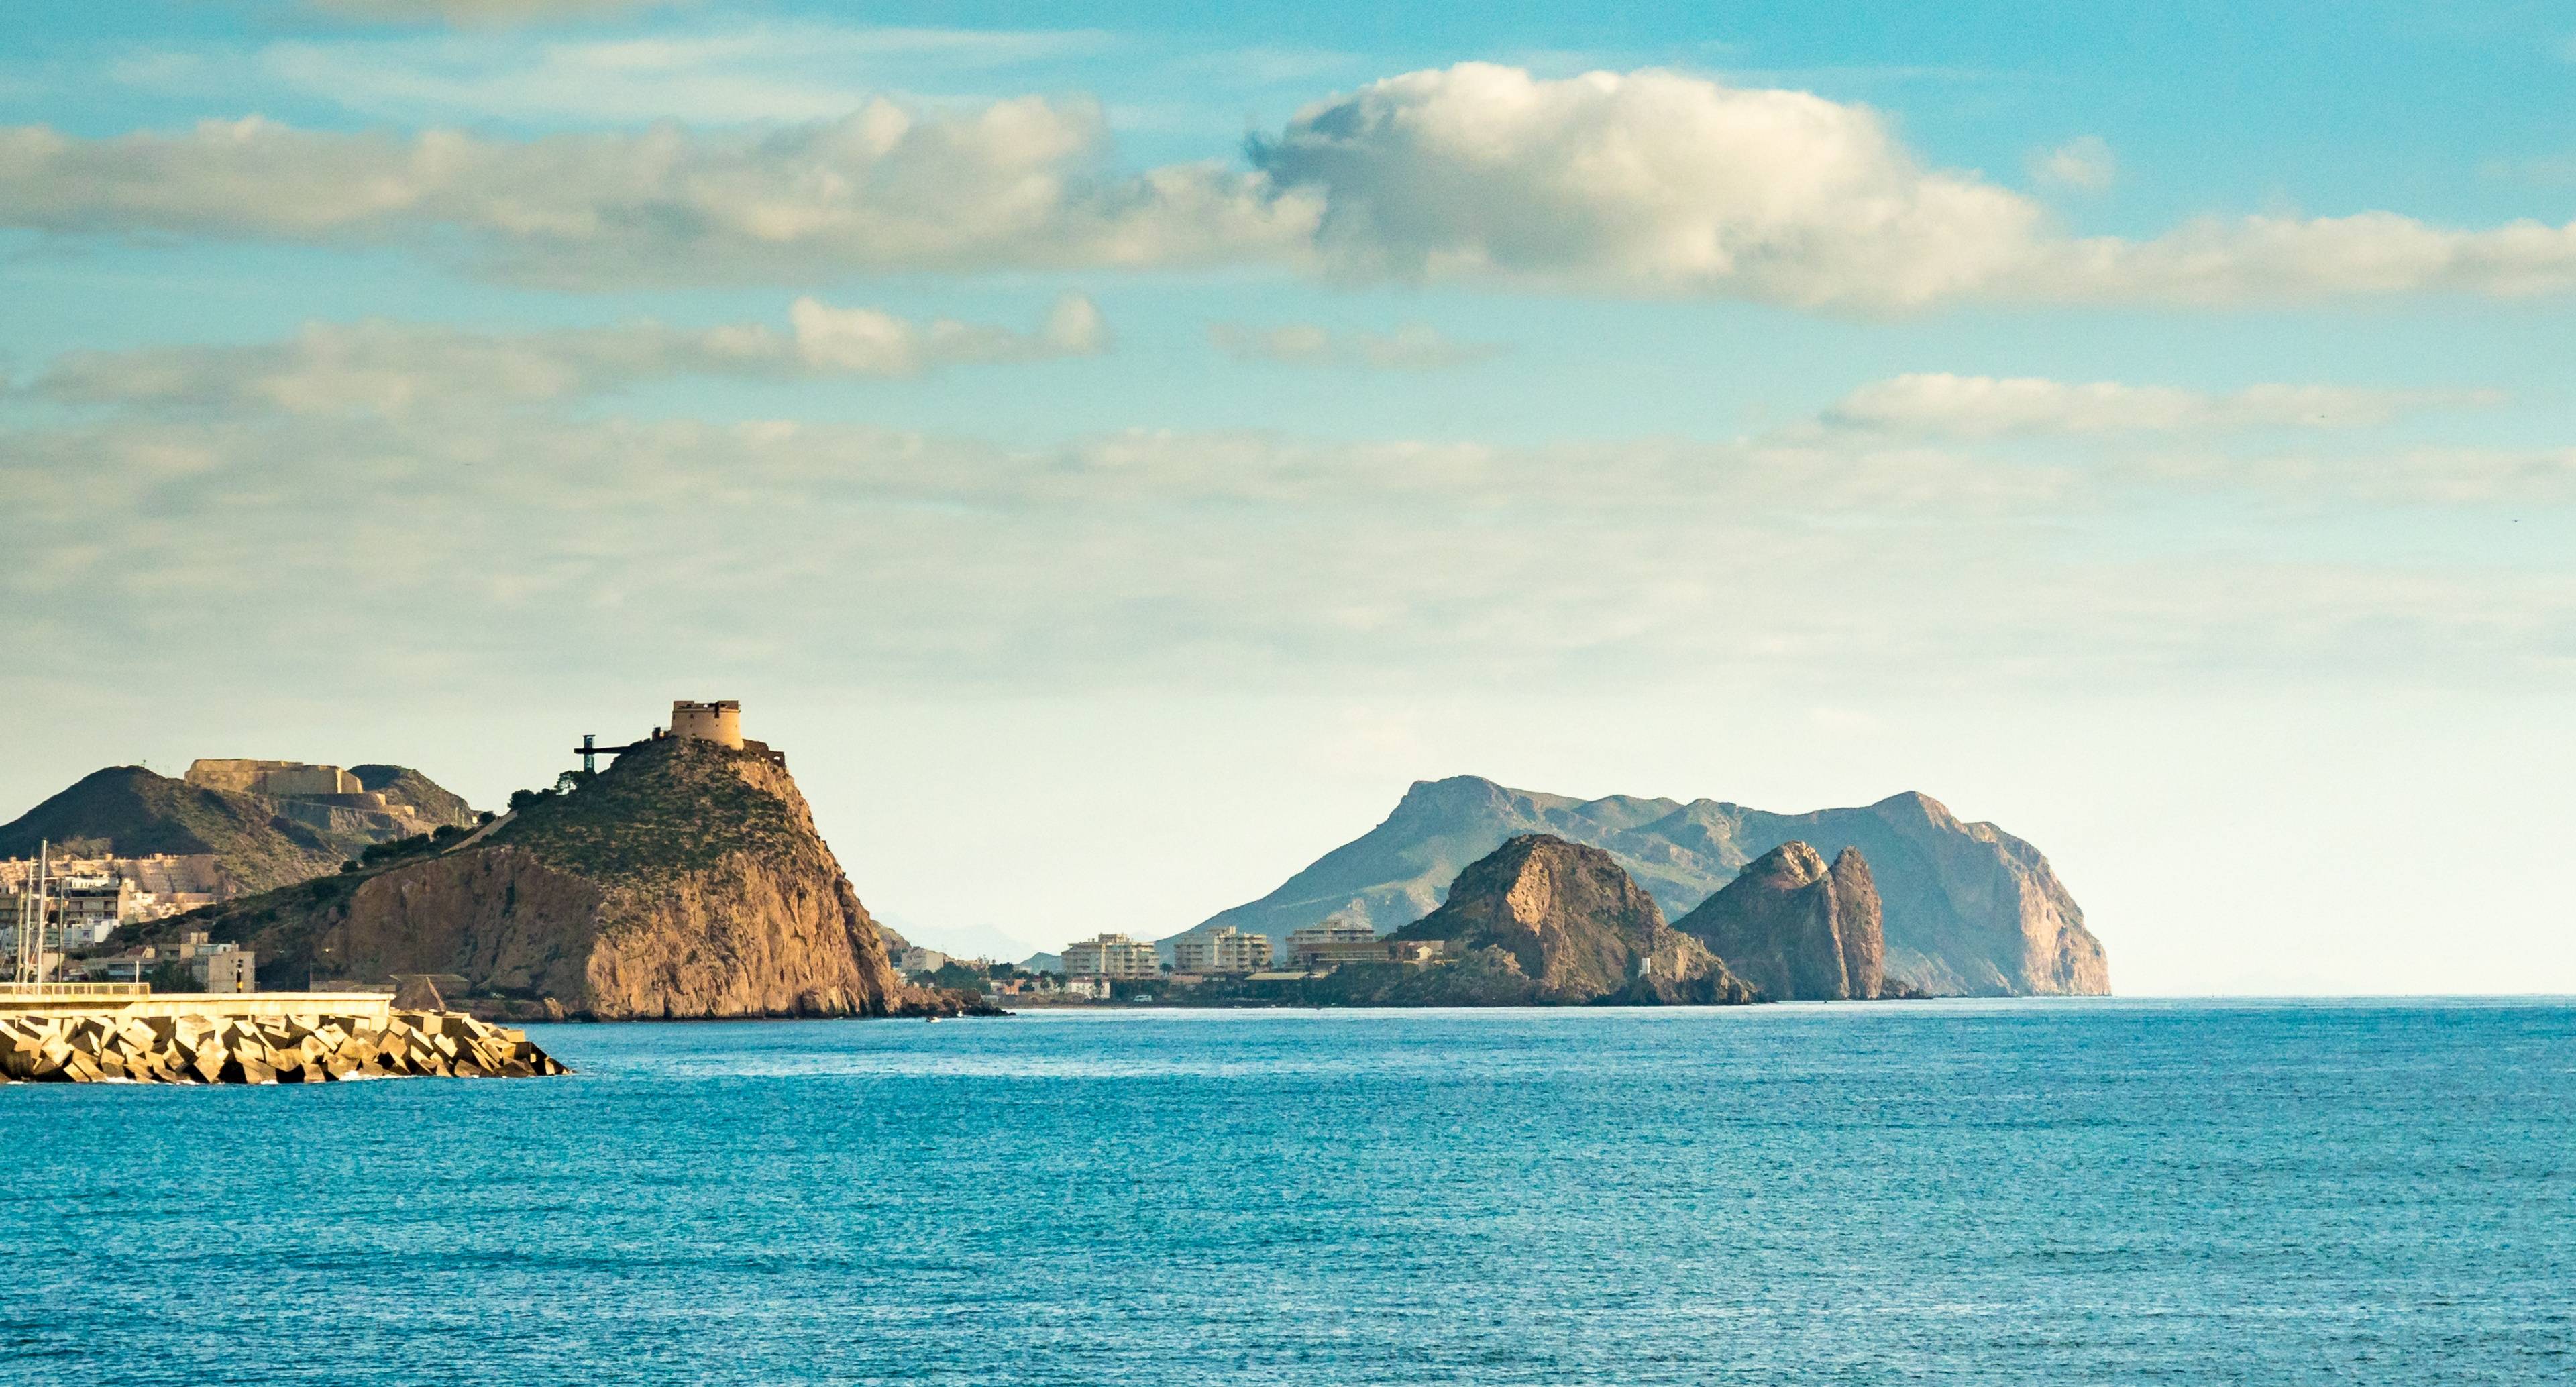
x,y
389,368
1409,347
1938,404
479,12
2085,164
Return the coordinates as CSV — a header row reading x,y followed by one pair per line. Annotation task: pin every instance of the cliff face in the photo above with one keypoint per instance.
x,y
685,881
1795,928
1967,907
1571,924
1859,922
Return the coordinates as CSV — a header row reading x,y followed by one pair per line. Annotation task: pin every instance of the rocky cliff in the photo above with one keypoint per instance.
x,y
1968,908
1571,926
1860,924
686,880
258,842
1796,928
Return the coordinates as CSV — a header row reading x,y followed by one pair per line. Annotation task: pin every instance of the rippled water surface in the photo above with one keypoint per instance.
x,y
2032,1192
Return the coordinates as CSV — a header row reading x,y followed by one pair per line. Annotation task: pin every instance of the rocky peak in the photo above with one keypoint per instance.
x,y
1570,919
1796,928
1859,923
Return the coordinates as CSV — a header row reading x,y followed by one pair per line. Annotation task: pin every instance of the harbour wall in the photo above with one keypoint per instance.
x,y
231,1045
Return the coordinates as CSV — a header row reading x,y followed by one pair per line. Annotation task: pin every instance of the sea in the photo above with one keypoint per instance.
x,y
2029,1192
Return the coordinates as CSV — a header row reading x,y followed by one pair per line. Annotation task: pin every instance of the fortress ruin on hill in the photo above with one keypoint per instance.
x,y
324,797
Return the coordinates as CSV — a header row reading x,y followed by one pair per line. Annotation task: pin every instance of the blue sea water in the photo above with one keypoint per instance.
x,y
2008,1192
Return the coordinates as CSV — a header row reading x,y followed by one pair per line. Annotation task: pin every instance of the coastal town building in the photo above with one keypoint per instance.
x,y
121,890
1089,987
915,959
1335,942
1224,949
1111,956
225,969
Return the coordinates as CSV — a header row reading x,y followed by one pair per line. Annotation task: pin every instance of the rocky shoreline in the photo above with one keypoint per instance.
x,y
100,1046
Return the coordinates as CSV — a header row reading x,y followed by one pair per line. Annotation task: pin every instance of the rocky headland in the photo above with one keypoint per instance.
x,y
1967,909
684,881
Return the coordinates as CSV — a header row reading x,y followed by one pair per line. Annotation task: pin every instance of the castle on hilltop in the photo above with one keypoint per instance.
x,y
324,797
718,721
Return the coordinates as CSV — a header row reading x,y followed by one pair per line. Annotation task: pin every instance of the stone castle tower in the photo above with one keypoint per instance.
x,y
719,722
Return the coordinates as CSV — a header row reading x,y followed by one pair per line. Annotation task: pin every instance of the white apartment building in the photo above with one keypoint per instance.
x,y
1224,949
1111,956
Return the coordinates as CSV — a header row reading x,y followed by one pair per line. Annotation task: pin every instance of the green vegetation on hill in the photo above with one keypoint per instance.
x,y
403,785
660,810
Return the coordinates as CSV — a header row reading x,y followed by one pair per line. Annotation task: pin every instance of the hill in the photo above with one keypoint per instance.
x,y
1543,920
684,881
1968,908
1796,928
259,841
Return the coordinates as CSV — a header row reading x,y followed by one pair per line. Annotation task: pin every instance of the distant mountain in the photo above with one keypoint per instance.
x,y
1542,920
1968,908
259,841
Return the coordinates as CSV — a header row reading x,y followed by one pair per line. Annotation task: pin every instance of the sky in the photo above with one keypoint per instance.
x,y
1113,450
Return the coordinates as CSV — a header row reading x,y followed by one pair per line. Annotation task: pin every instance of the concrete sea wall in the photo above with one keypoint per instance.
x,y
66,1046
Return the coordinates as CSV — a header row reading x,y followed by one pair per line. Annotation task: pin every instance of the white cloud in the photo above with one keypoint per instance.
x,y
1939,404
1410,347
2085,163
1014,184
1646,183
389,368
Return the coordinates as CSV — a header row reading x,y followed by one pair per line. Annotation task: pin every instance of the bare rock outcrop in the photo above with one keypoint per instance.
x,y
686,880
1571,923
1859,925
1796,928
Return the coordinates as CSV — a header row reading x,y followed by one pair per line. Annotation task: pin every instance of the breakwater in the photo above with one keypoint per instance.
x,y
62,1045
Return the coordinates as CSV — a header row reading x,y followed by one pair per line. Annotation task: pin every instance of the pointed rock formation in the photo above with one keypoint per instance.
x,y
1570,926
1857,920
686,880
1797,929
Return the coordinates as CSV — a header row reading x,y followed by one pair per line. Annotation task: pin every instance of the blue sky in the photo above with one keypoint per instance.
x,y
2144,426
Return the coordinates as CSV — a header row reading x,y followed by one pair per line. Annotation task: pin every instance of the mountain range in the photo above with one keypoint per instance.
x,y
1968,909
